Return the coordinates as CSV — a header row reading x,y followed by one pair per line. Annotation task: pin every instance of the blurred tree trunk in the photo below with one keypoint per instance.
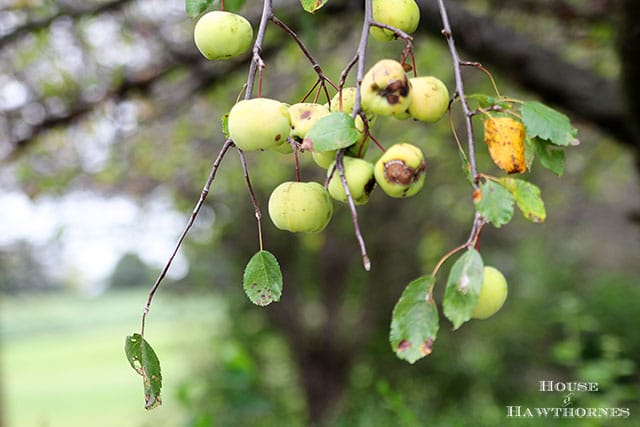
x,y
629,49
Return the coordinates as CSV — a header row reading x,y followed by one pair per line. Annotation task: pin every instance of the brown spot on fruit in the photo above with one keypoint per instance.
x,y
404,345
397,172
393,99
306,114
278,137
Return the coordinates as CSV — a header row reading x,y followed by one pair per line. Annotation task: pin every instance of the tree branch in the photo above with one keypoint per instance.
x,y
42,23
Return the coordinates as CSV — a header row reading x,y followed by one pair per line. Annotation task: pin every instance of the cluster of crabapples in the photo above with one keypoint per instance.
x,y
386,90
268,124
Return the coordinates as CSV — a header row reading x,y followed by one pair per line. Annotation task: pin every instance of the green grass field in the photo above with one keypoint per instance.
x,y
63,364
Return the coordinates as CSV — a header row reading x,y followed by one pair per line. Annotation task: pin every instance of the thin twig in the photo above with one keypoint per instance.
x,y
257,62
448,34
252,194
203,196
305,51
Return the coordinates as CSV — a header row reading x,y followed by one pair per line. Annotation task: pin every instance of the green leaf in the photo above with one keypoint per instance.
x,y
484,101
529,152
144,361
546,123
312,6
332,132
550,158
527,197
196,7
494,202
463,288
263,279
414,323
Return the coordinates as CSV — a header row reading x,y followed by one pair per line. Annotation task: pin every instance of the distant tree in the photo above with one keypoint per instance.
x,y
130,272
21,270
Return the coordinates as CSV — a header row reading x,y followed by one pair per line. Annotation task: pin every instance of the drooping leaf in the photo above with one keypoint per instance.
x,y
488,101
494,202
484,101
196,7
527,198
262,279
504,137
546,123
312,6
414,322
332,132
550,158
144,361
463,288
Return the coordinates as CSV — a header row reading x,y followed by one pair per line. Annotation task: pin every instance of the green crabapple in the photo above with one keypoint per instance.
x,y
259,123
400,171
300,207
222,35
429,99
360,180
401,14
493,293
385,89
303,116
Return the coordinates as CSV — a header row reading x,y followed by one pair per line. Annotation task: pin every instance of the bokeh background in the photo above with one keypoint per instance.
x,y
109,123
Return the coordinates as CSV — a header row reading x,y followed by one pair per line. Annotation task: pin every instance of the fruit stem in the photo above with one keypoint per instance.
x,y
203,196
252,194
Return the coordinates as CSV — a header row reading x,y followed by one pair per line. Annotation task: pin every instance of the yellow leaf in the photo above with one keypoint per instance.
x,y
505,138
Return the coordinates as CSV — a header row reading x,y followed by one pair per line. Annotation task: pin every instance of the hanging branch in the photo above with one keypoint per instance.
x,y
257,64
448,34
203,196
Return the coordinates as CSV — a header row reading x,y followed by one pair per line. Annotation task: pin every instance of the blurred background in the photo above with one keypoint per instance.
x,y
109,123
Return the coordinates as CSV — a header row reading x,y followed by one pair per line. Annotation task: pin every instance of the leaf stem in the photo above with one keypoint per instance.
x,y
203,196
252,195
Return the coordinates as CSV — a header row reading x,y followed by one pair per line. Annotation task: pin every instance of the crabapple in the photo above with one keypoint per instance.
x,y
429,99
386,89
259,123
359,176
493,293
401,14
400,171
303,116
222,35
300,207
